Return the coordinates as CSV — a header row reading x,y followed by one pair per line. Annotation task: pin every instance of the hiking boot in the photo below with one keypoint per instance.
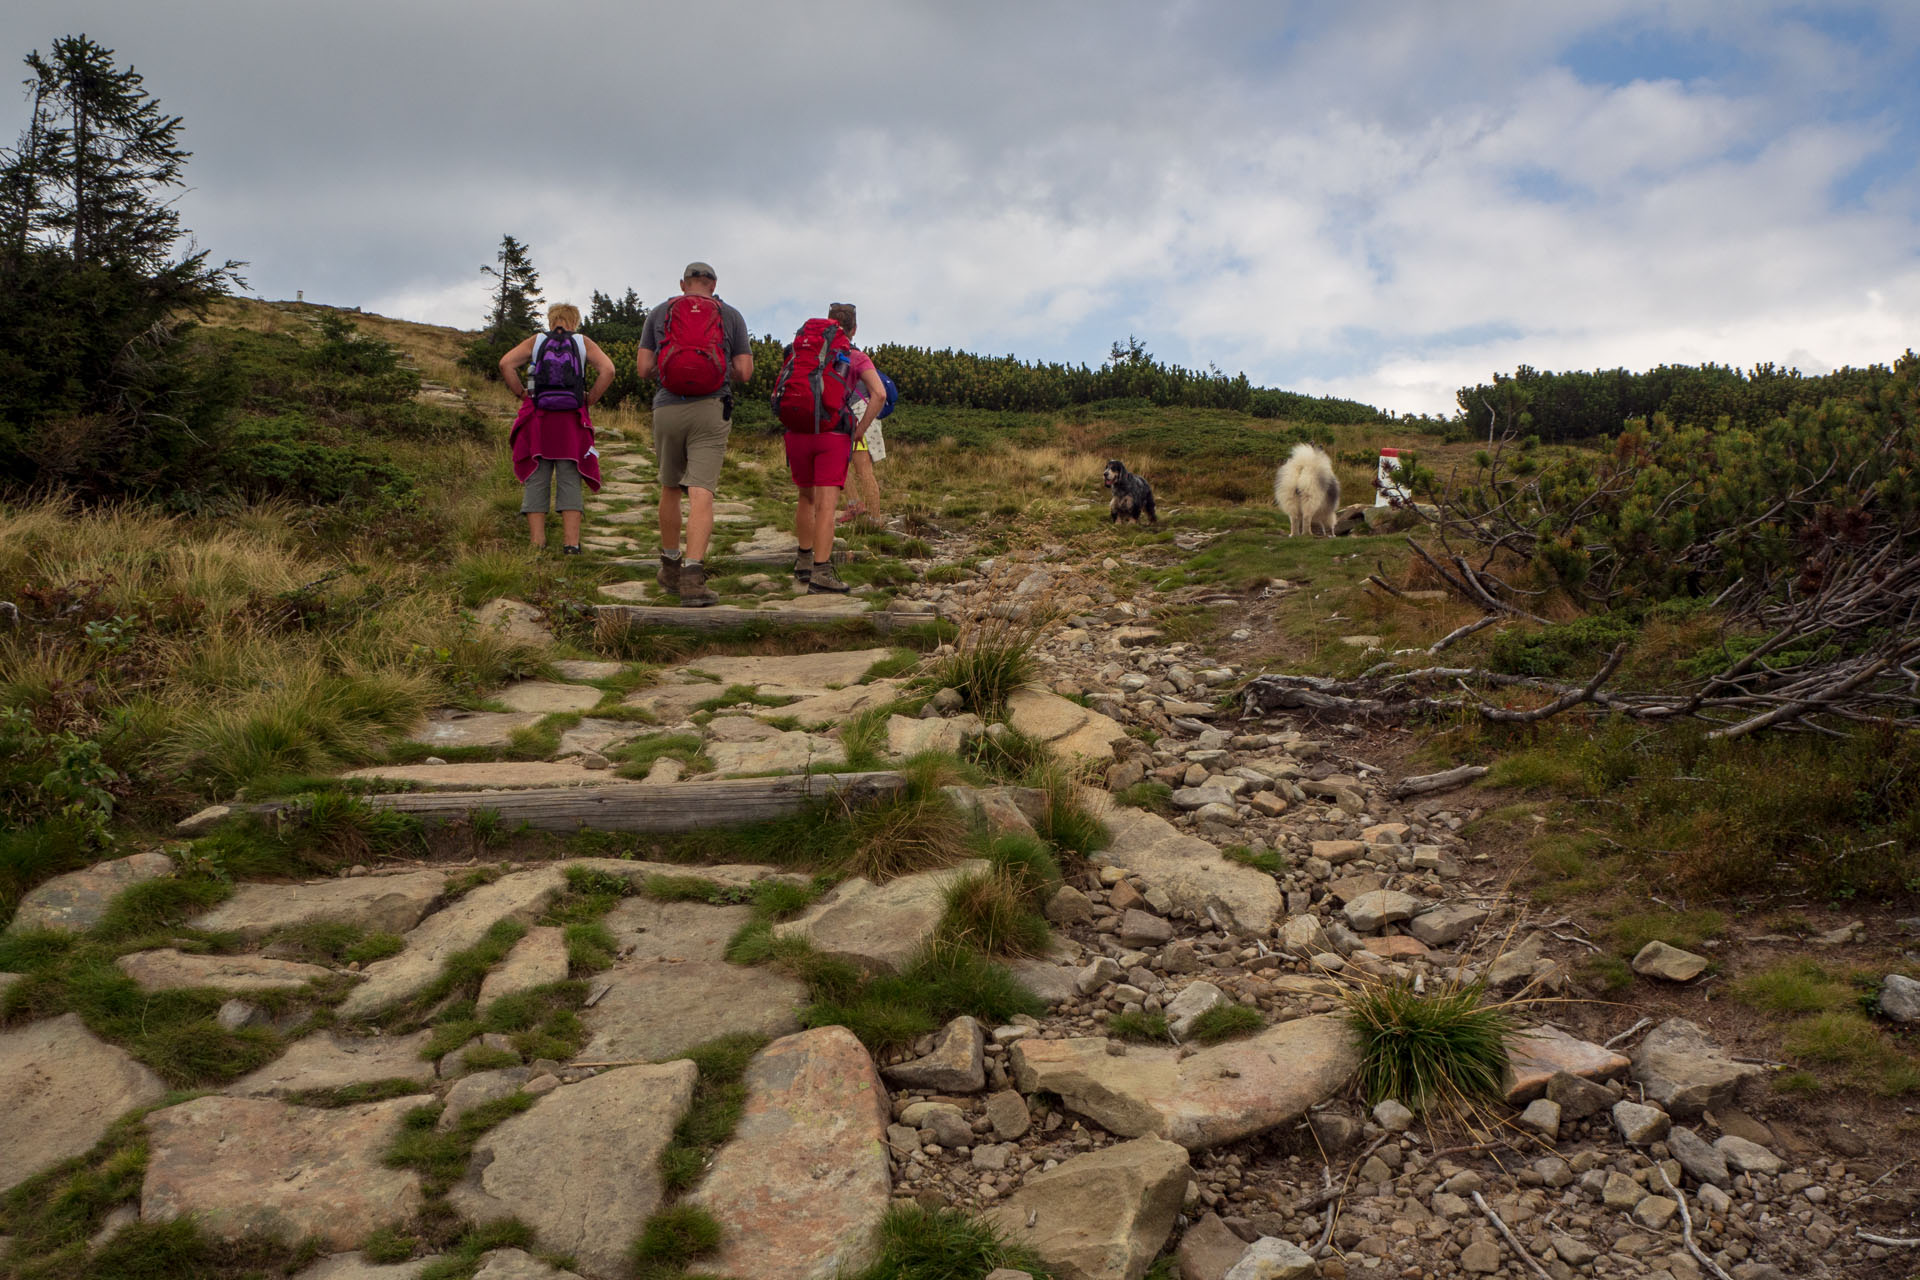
x,y
825,580
803,564
693,585
669,575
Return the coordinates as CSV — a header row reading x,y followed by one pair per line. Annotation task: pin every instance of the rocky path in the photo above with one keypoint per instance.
x,y
1274,871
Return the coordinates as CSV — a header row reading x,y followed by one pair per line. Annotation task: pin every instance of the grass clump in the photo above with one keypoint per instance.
x,y
388,1245
463,1258
1154,797
1144,1025
990,912
991,658
1684,929
673,1237
636,758
718,1099
916,1243
1794,986
1267,860
335,942
440,1158
885,1010
1853,1048
1225,1022
1441,1050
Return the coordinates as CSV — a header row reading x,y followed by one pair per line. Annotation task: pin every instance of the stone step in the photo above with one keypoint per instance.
x,y
480,775
794,613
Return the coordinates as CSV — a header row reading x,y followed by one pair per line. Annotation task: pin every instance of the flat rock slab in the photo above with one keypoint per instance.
x,y
521,896
632,591
536,960
518,1264
674,931
597,735
837,706
658,1008
251,1166
60,1088
546,696
1192,871
1536,1055
1100,1216
378,904
586,668
167,970
1067,728
581,1165
804,1182
809,673
1217,1095
880,927
455,728
354,1266
789,752
674,698
486,775
75,902
327,1060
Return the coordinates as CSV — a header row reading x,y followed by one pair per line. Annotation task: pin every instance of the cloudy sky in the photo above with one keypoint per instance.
x,y
1382,200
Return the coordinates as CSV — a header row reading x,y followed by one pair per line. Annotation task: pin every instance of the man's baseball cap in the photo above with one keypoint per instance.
x,y
699,269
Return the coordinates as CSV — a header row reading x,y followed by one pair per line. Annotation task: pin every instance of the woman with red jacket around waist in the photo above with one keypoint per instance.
x,y
552,437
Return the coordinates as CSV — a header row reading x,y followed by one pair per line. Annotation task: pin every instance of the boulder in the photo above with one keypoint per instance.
x,y
75,902
1538,1054
1669,964
804,1182
1099,1216
911,736
1192,872
879,927
252,1166
581,1165
1684,1071
167,970
517,622
1900,998
61,1087
536,960
521,896
956,1063
328,1060
378,904
1578,1098
1214,1096
1143,929
1067,728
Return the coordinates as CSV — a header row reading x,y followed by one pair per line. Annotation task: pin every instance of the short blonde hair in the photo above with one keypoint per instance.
x,y
563,313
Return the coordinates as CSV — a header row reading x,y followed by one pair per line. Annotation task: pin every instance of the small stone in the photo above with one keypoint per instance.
x,y
236,1013
1185,1009
1668,963
1543,1117
1008,1114
1270,1258
1715,1200
1621,1192
1372,911
1141,929
954,1065
1393,1116
1069,906
1655,1212
1578,1098
1482,1257
1747,1157
1640,1124
1698,1157
1573,1252
1097,975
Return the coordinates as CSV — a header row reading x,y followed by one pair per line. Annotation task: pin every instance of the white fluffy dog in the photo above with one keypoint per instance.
x,y
1307,490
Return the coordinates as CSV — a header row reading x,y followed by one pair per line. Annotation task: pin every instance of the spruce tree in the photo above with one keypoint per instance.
x,y
516,302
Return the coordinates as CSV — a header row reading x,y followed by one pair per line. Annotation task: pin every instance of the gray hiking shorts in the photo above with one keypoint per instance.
x,y
563,476
690,442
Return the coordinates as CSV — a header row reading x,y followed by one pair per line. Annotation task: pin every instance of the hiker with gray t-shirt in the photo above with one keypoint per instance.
x,y
696,344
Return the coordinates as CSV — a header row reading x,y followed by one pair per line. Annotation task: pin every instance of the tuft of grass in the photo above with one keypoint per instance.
x,y
1268,861
441,1158
1859,1052
1029,863
352,1095
719,1096
917,1243
154,905
1794,986
1140,1026
1442,1050
463,1259
635,758
335,942
673,1237
1154,797
885,1010
991,912
1685,929
1226,1022
58,1209
387,1245
1067,822
918,832
691,888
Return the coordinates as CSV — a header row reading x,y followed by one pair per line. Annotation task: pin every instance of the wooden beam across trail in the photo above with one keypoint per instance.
x,y
727,617
665,809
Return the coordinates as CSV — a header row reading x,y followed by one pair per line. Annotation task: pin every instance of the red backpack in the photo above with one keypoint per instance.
x,y
816,381
693,346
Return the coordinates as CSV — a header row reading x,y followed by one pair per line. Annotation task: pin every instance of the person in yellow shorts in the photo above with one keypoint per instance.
x,y
868,450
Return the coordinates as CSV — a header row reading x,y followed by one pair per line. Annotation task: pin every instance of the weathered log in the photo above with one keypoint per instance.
x,y
727,617
665,810
1427,782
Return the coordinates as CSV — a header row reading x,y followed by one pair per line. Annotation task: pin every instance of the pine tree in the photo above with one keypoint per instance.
x,y
517,301
612,320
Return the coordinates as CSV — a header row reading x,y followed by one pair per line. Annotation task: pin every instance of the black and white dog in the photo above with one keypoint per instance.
x,y
1132,495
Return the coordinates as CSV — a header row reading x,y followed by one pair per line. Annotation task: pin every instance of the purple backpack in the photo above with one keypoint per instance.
x,y
559,371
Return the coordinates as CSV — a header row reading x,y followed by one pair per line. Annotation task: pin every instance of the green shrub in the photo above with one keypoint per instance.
x,y
1555,650
1443,1049
1225,1022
